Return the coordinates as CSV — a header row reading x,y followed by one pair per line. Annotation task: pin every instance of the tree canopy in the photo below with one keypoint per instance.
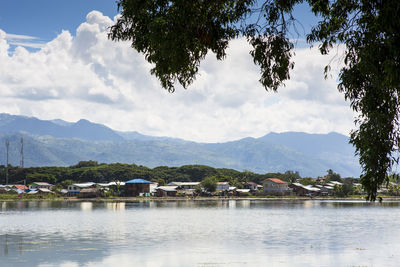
x,y
175,35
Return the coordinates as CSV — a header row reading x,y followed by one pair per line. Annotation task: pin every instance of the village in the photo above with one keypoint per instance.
x,y
145,188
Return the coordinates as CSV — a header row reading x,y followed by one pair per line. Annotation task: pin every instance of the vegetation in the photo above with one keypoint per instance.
x,y
87,171
176,35
210,183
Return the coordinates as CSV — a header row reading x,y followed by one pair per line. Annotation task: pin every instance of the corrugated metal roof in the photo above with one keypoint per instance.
x,y
41,183
183,183
168,188
138,181
88,184
44,190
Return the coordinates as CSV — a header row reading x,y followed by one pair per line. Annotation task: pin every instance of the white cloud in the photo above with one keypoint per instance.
x,y
88,76
23,40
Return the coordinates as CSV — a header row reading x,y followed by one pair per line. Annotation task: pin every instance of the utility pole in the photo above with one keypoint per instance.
x,y
7,145
22,152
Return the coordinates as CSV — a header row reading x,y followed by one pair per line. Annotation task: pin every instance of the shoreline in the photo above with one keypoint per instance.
x,y
144,199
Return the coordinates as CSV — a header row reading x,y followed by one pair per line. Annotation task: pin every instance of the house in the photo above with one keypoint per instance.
x,y
19,187
37,185
185,185
89,192
223,186
137,187
166,191
305,190
242,192
250,185
275,186
75,189
39,191
4,189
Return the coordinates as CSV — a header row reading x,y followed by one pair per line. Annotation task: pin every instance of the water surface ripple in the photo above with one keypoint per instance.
x,y
200,233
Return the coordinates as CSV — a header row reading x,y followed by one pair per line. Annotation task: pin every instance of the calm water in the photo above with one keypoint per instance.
x,y
200,233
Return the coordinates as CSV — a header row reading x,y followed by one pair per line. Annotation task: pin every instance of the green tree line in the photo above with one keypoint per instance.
x,y
92,171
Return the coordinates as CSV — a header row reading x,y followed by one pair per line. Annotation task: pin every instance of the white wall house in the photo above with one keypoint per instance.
x,y
222,186
275,186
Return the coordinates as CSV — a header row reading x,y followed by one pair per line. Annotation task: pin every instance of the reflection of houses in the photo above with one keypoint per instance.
x,y
37,185
275,186
137,187
223,186
166,191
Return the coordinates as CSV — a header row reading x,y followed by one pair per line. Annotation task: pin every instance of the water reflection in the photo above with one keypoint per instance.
x,y
225,232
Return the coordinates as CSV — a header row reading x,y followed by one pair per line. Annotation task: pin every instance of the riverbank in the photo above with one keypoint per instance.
x,y
141,199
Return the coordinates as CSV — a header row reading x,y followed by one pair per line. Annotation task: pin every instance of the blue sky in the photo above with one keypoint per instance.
x,y
72,71
46,18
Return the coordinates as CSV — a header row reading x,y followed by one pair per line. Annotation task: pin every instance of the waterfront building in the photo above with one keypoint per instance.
x,y
75,189
223,186
37,185
250,185
137,187
275,186
166,191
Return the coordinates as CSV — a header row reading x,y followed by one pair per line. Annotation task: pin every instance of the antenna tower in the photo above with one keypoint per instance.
x,y
7,145
22,152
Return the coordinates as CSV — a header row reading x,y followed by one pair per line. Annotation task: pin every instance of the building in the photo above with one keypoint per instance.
x,y
137,187
305,190
75,189
89,192
242,192
37,185
185,185
166,191
223,186
275,186
250,185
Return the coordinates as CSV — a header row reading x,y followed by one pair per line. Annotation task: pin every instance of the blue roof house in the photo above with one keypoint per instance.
x,y
137,187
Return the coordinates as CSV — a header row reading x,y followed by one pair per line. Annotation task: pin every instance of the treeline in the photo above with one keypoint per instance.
x,y
92,171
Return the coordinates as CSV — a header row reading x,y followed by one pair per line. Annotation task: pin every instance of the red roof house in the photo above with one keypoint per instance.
x,y
275,186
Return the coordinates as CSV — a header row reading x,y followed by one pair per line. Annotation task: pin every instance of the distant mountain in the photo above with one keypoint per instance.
x,y
60,143
83,129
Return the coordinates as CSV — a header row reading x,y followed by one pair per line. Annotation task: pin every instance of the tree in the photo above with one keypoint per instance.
x,y
307,181
333,176
160,181
176,35
291,177
210,183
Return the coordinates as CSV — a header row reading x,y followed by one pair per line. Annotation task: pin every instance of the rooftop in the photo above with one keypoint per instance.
x,y
41,183
276,180
138,181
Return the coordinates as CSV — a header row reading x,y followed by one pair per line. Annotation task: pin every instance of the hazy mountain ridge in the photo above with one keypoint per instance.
x,y
60,143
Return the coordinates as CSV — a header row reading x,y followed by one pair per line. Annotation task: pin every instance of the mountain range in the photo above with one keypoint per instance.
x,y
61,143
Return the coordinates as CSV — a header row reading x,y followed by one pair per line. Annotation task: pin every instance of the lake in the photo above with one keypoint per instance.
x,y
200,233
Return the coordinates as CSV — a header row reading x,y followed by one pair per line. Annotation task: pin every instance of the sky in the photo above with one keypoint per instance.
x,y
57,63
